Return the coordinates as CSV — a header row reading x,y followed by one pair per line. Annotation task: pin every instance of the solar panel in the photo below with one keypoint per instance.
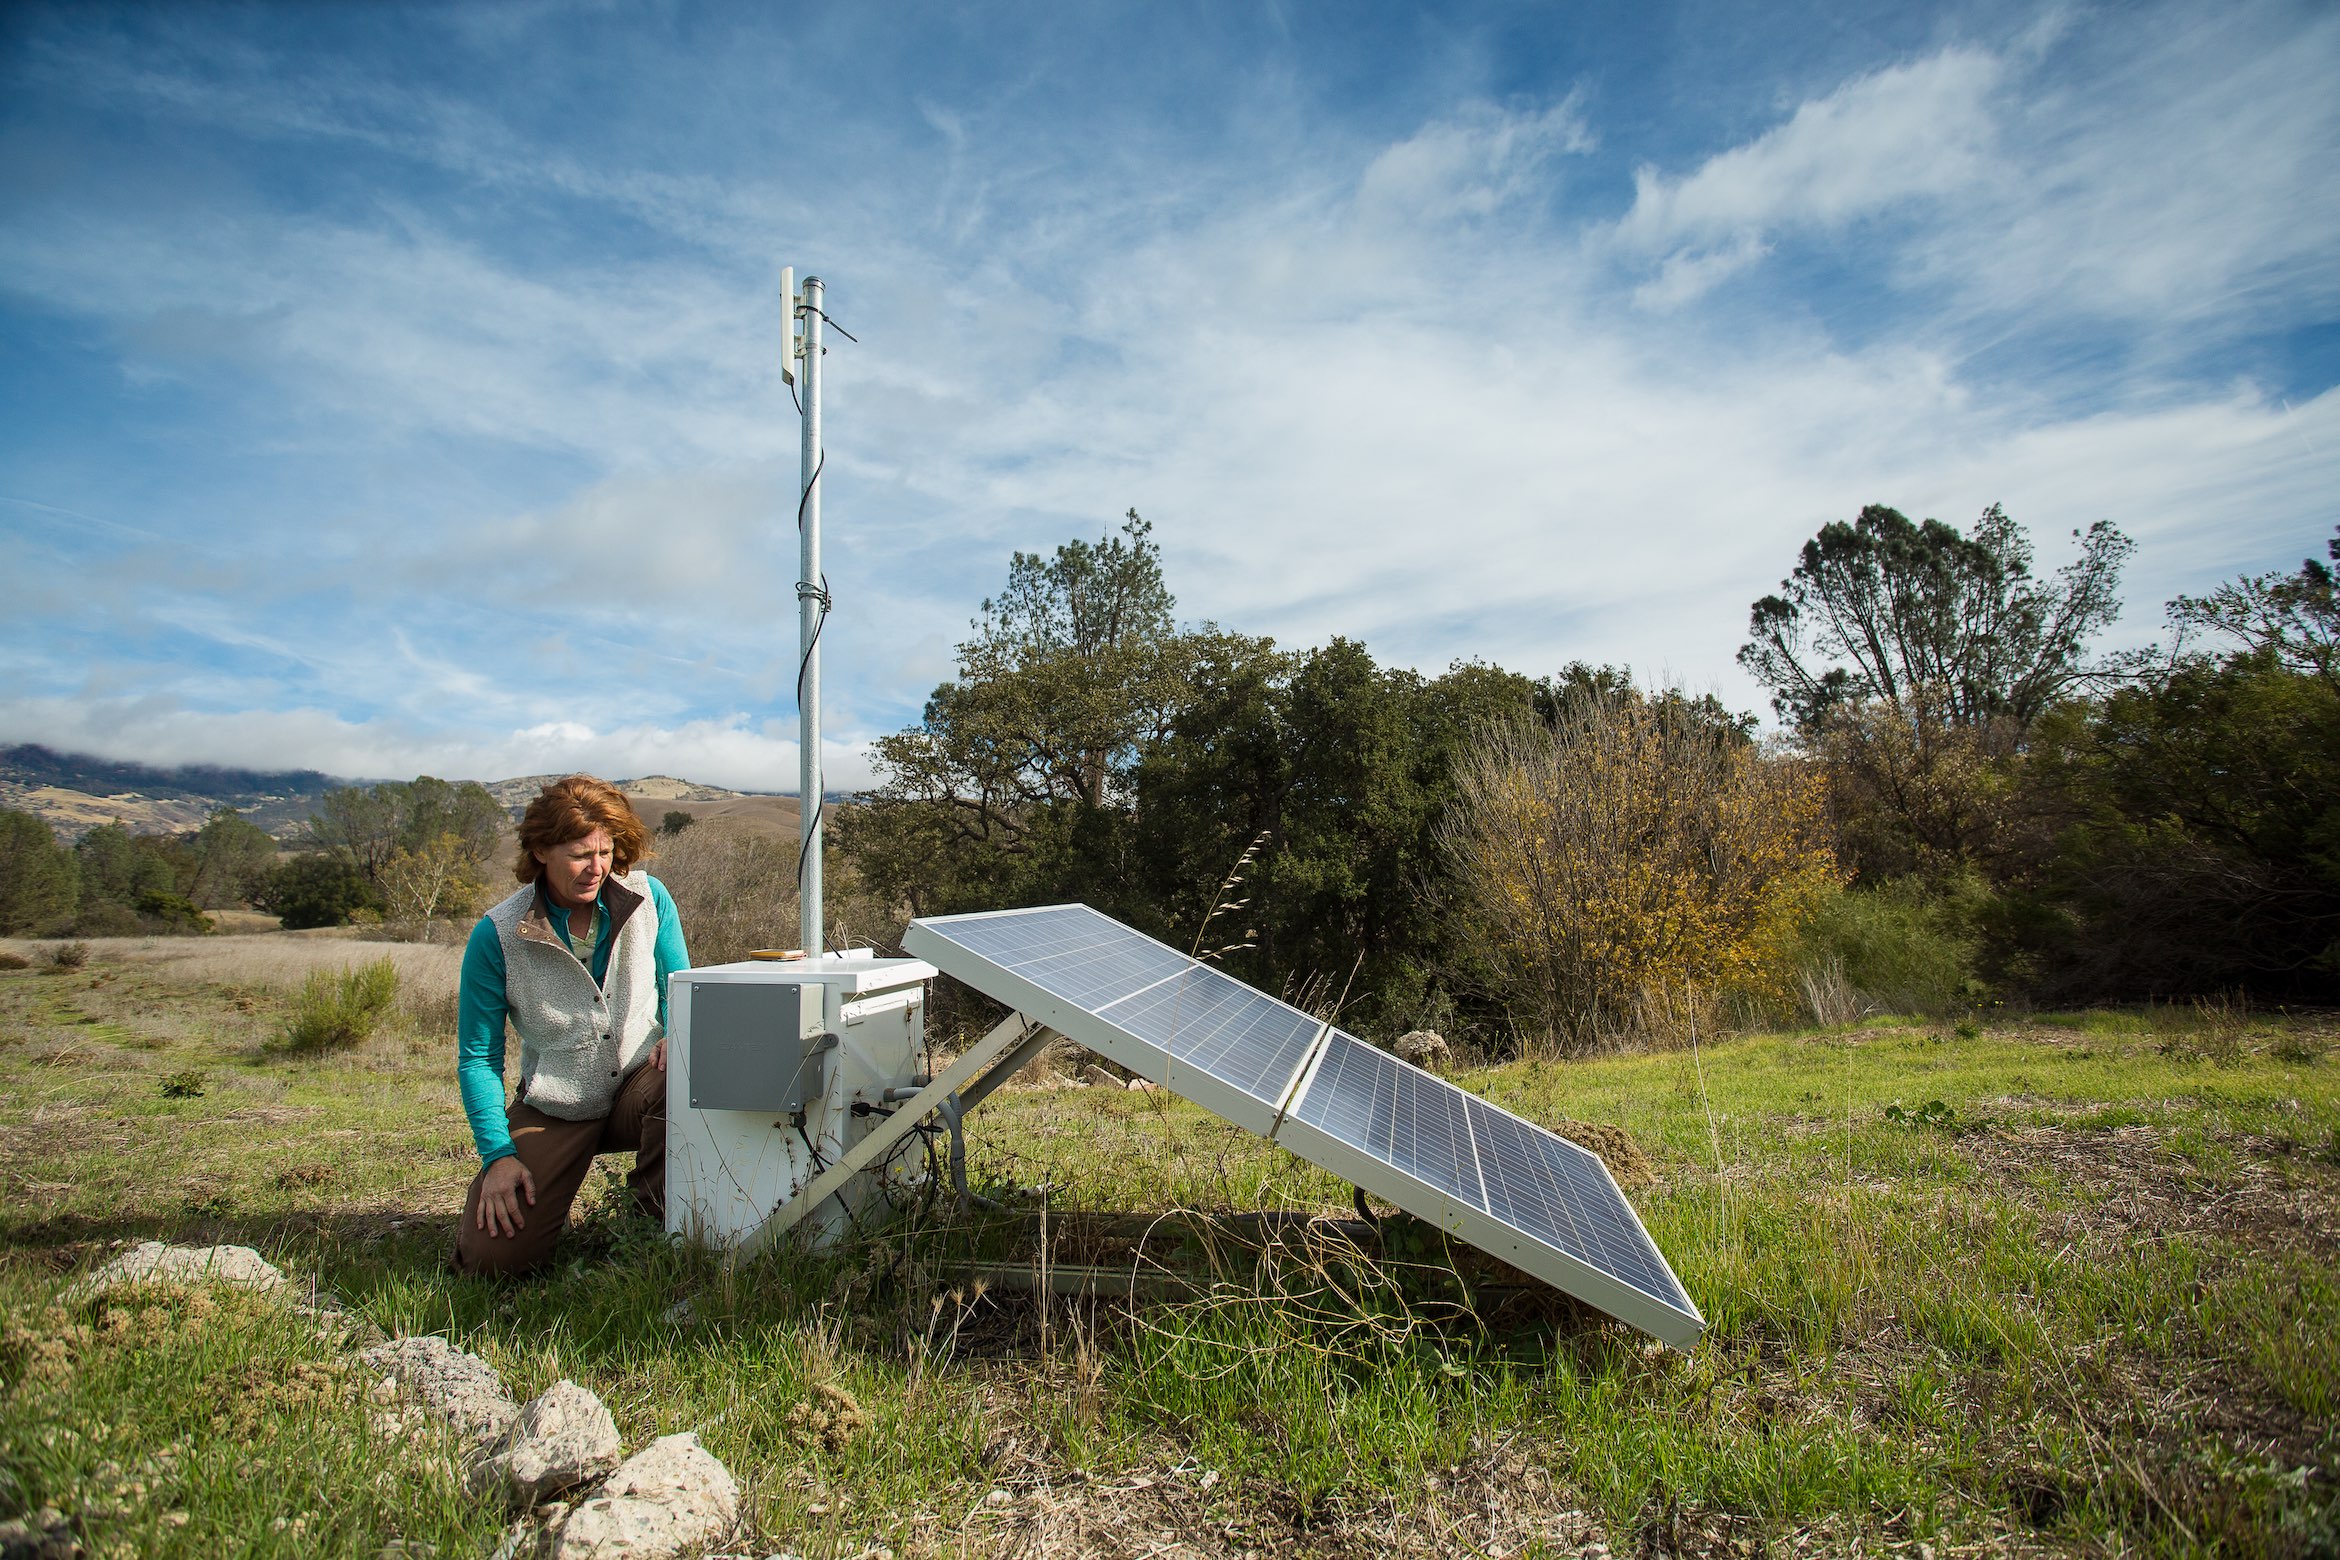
x,y
1499,1182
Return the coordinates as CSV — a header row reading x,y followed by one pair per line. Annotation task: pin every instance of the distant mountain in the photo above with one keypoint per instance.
x,y
519,792
33,765
76,792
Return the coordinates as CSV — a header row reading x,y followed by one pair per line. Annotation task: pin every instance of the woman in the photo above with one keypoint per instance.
x,y
577,963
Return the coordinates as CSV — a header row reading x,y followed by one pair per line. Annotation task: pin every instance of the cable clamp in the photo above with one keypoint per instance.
x,y
806,590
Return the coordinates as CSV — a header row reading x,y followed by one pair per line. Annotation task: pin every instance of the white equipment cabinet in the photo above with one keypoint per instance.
x,y
766,1062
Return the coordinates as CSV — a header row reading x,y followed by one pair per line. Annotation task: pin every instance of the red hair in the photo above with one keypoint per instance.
x,y
571,809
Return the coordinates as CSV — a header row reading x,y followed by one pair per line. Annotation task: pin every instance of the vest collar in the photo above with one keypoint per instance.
x,y
536,925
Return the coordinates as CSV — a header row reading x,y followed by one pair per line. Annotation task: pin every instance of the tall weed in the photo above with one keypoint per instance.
x,y
335,1011
1903,947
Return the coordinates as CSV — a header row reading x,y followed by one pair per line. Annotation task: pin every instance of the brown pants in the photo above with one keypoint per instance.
x,y
556,1154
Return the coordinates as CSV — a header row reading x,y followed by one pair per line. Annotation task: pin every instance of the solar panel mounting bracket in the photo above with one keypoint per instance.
x,y
1005,1036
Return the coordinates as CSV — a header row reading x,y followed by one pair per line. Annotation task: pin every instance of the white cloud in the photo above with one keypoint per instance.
x,y
1470,165
2178,172
1925,129
1690,274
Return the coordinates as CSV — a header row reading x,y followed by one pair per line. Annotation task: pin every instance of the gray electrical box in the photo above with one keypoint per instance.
x,y
748,1050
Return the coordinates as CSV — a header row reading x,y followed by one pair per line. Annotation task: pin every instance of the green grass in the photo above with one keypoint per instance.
x,y
2085,1305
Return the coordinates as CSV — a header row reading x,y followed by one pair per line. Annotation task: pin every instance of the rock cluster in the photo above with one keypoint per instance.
x,y
45,1535
456,1388
671,1498
563,1439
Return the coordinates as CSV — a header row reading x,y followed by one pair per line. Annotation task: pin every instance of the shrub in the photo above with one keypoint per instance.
x,y
336,1010
172,912
735,890
675,821
1910,791
1902,948
314,890
69,956
1630,855
14,961
106,918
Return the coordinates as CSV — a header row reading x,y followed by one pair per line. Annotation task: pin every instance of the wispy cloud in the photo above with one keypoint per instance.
x,y
1926,129
442,423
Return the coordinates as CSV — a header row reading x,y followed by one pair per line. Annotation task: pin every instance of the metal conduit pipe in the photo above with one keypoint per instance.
x,y
949,1111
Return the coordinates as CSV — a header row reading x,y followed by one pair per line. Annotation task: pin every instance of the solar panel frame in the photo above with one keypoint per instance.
x,y
1377,1121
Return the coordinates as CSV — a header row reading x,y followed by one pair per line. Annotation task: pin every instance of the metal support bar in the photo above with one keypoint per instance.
x,y
891,1130
1017,1060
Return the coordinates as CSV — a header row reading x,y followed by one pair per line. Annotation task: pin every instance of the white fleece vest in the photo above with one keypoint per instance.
x,y
577,1040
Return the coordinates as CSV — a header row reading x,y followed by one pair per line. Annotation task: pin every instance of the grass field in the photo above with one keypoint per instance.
x,y
2058,1285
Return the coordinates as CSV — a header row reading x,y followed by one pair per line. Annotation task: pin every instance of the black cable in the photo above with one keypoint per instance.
x,y
816,593
820,464
792,345
819,1164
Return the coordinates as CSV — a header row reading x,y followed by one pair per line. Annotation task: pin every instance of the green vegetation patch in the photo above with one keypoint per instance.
x,y
2085,1305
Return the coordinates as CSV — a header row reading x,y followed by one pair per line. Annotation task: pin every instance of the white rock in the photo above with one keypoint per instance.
x,y
152,1262
561,1440
1425,1048
667,1499
460,1389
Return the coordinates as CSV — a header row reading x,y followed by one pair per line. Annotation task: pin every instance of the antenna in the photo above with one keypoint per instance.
x,y
788,347
812,606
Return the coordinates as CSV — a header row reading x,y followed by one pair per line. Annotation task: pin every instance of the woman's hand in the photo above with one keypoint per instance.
x,y
658,1056
507,1181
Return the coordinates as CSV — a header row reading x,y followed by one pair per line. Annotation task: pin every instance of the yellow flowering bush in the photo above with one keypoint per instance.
x,y
1633,852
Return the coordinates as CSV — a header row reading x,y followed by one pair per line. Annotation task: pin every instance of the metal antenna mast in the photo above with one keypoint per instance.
x,y
812,605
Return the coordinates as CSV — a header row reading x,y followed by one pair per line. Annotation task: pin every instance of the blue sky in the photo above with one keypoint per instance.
x,y
393,390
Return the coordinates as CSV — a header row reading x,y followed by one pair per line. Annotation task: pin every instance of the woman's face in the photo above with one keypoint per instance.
x,y
575,869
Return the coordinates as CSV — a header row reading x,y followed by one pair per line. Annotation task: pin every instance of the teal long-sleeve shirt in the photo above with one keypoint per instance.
x,y
481,1011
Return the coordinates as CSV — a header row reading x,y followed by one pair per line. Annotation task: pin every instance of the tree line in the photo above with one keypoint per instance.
x,y
402,850
1962,805
407,854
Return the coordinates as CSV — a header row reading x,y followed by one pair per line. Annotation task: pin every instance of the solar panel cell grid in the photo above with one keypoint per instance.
x,y
1368,1097
1563,1196
1071,951
1209,1020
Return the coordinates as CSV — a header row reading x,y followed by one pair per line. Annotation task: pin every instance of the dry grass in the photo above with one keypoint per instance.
x,y
272,961
278,964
